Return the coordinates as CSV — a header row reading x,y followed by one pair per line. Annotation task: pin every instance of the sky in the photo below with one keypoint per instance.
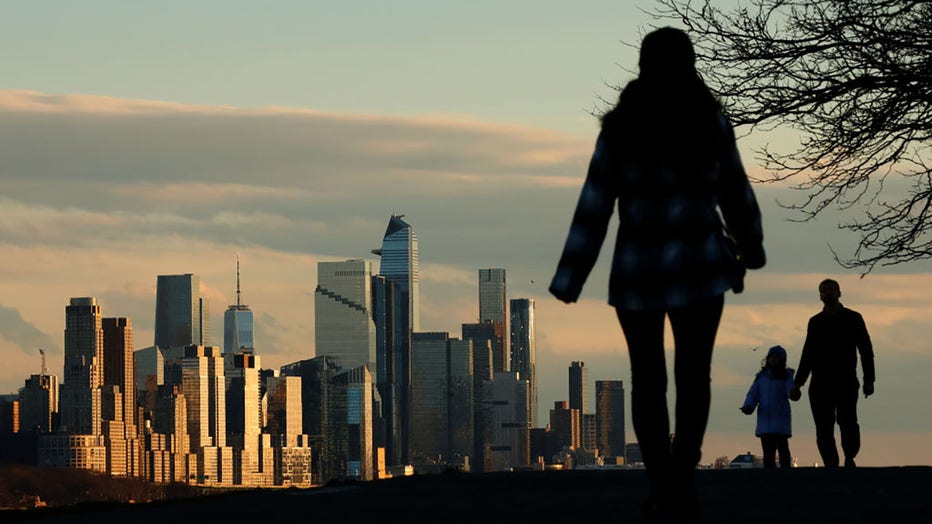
x,y
139,139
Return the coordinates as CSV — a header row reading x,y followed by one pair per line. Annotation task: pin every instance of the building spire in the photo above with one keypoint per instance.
x,y
238,294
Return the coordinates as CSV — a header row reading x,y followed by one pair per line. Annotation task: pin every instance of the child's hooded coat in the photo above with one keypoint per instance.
x,y
771,397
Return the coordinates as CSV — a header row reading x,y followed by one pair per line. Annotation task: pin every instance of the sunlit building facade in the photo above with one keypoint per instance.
x,y
83,373
493,310
578,381
343,320
524,349
610,417
38,403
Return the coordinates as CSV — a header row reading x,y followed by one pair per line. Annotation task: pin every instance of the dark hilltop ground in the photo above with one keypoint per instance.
x,y
802,495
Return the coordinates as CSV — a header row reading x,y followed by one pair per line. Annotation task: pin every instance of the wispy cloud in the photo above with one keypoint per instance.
x,y
28,338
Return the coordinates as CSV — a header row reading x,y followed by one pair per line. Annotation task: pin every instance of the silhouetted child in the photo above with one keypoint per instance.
x,y
771,394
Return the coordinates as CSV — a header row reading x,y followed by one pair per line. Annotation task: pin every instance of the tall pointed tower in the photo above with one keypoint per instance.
x,y
399,268
238,324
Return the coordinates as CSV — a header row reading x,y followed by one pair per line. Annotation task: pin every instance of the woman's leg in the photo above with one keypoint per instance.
x,y
644,334
694,330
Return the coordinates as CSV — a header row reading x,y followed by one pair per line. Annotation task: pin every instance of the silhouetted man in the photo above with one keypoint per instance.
x,y
833,340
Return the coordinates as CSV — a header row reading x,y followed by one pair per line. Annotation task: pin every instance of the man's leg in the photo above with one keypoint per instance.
x,y
769,445
848,423
822,402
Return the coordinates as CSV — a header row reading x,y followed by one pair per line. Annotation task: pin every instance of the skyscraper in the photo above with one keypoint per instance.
x,y
480,339
441,399
204,387
344,324
83,373
492,309
318,409
386,415
119,365
181,315
610,417
578,379
399,265
284,410
242,416
524,349
238,324
351,426
492,295
38,401
511,437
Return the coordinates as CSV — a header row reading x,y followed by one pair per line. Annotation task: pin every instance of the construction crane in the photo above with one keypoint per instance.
x,y
45,370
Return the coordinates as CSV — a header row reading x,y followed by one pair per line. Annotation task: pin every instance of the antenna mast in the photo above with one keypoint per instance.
x,y
237,281
45,370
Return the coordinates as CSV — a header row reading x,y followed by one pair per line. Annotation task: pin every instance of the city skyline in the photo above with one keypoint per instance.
x,y
189,143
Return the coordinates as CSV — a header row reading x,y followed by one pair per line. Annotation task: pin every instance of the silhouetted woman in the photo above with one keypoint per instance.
x,y
667,154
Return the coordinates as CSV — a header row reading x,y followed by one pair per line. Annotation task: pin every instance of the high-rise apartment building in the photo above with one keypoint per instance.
x,y
284,409
238,324
182,317
578,379
610,417
119,365
588,436
204,387
150,374
317,410
492,309
243,416
344,326
399,265
566,423
290,445
168,445
524,349
38,401
510,432
480,339
351,415
83,373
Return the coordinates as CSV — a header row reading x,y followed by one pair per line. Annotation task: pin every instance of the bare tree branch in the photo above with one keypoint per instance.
x,y
855,78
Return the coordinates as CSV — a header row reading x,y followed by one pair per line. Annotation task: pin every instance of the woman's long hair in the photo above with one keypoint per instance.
x,y
667,113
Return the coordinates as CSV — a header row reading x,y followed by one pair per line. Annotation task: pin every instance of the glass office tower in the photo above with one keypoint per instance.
x,y
524,349
492,309
399,266
343,320
238,324
180,314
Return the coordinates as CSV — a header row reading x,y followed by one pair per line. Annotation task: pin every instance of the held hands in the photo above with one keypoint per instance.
x,y
796,394
868,389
